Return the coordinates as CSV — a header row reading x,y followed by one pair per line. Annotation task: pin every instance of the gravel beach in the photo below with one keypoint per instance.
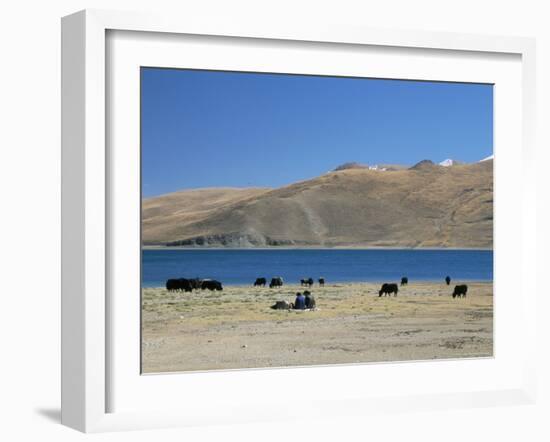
x,y
236,328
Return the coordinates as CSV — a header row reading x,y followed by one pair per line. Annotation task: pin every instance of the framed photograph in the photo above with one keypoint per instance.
x,y
259,218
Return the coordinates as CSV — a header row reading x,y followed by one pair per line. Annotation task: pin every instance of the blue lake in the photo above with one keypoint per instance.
x,y
243,266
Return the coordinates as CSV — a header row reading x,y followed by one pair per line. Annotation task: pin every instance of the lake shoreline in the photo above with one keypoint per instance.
x,y
161,247
298,287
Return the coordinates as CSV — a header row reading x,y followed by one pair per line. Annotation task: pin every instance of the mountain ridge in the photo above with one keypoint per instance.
x,y
425,206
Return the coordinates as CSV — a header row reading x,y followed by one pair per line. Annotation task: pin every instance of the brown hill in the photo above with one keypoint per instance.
x,y
428,206
350,165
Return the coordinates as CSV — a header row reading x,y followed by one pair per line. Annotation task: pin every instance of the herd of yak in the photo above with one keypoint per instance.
x,y
278,282
387,289
187,285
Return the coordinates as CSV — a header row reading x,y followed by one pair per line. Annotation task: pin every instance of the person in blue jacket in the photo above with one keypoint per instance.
x,y
299,302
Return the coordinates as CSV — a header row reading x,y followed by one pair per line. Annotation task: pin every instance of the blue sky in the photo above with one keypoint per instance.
x,y
232,129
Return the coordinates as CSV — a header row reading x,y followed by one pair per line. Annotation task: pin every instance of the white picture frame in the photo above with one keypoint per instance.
x,y
87,208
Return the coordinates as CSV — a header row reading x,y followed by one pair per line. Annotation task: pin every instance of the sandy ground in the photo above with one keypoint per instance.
x,y
235,328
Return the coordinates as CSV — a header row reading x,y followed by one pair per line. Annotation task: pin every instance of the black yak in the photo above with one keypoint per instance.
x,y
172,284
460,291
195,283
276,282
179,284
388,289
211,284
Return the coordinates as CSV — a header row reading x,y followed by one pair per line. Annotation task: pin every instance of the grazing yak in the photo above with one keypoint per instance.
x,y
404,280
388,289
276,282
172,284
307,282
260,282
282,305
211,284
460,291
186,284
321,281
448,280
179,284
195,283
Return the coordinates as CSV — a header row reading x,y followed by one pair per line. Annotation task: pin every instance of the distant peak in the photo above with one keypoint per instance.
x,y
490,157
450,162
423,164
350,165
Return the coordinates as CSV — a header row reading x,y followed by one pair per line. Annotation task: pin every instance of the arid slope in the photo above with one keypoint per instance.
x,y
424,206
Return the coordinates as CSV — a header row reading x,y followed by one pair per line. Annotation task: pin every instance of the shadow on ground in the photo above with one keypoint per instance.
x,y
51,414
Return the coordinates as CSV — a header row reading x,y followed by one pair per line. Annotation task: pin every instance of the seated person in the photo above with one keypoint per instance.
x,y
310,300
299,302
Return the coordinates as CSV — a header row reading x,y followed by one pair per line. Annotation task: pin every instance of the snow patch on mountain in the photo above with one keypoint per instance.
x,y
490,157
448,162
